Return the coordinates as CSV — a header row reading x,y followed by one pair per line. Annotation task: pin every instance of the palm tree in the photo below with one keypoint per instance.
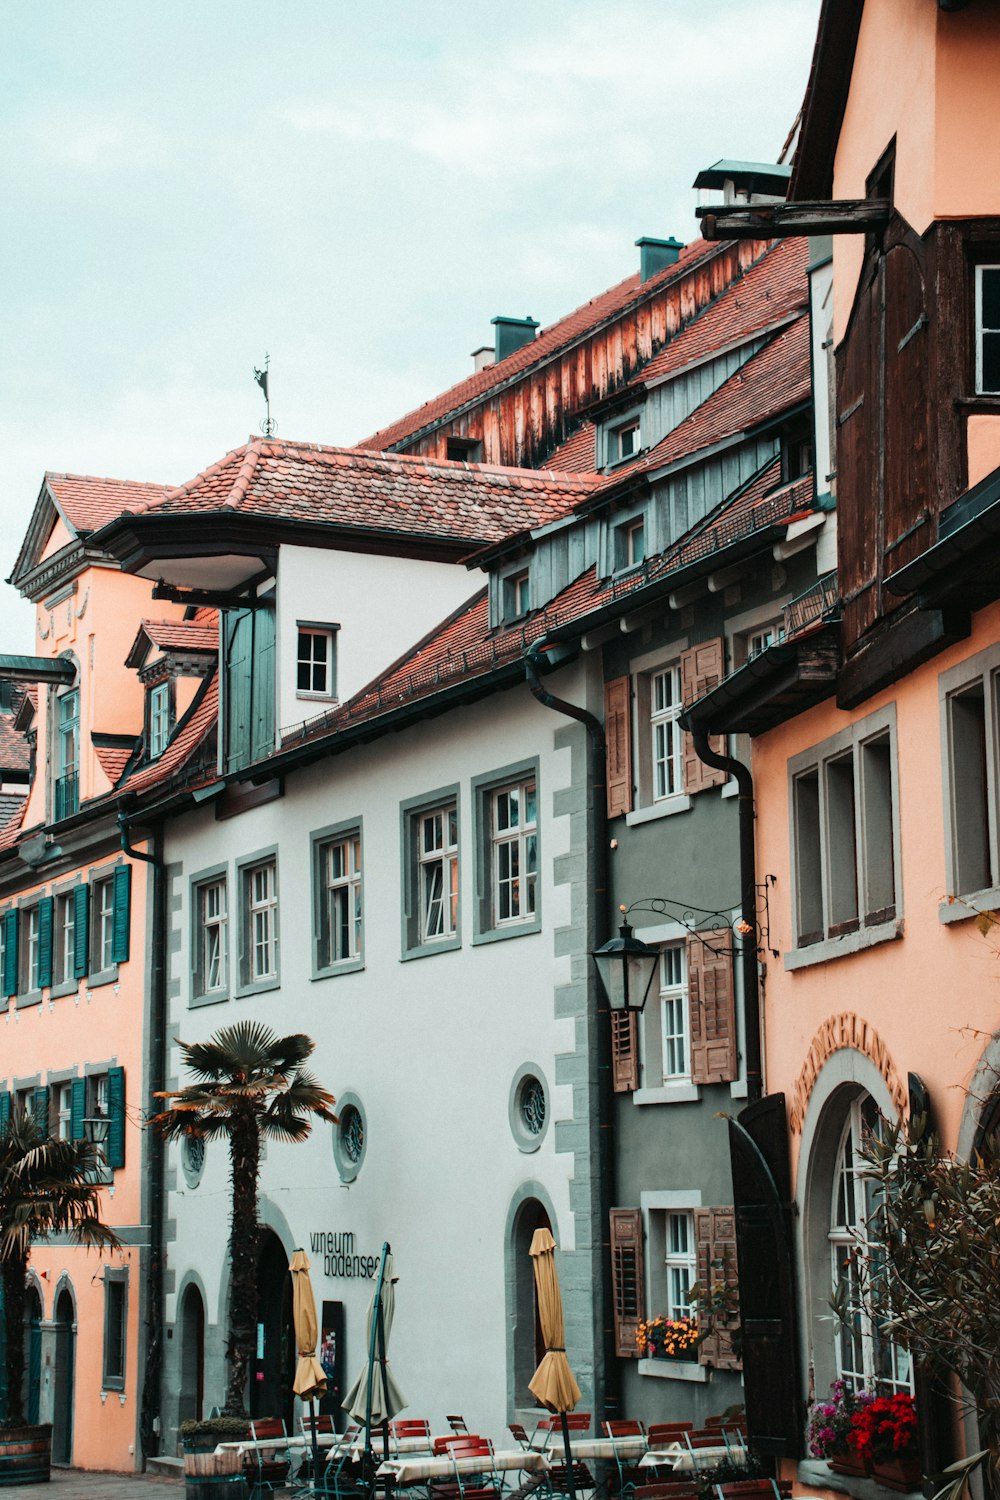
x,y
47,1185
251,1086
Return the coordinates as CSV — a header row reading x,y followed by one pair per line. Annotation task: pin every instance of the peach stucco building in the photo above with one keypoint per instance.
x,y
875,750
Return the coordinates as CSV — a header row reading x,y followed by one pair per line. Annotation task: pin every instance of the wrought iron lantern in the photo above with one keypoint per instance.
x,y
96,1129
626,967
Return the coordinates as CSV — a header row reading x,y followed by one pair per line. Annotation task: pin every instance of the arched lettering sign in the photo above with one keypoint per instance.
x,y
837,1032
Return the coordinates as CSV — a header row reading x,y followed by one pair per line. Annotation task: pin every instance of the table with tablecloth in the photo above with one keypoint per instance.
x,y
414,1469
684,1460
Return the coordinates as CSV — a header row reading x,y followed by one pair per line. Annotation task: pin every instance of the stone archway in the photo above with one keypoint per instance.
x,y
63,1393
32,1353
529,1346
191,1401
273,1370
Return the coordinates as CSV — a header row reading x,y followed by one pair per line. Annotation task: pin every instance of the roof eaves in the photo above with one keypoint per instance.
x,y
825,100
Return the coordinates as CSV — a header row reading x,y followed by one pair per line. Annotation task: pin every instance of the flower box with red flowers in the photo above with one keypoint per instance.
x,y
883,1433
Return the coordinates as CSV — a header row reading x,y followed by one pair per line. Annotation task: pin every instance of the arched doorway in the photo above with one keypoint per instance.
x,y
529,1346
65,1369
192,1398
32,1353
274,1368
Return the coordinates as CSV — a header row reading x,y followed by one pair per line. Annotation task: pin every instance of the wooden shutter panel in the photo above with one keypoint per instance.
x,y
712,1011
40,1109
624,1051
702,668
237,664
122,910
262,735
618,739
715,1246
115,1151
45,909
6,1103
77,1109
81,931
627,1278
10,953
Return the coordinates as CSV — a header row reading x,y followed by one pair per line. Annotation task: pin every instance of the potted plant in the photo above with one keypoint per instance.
x,y
830,1424
884,1433
47,1186
209,1475
668,1338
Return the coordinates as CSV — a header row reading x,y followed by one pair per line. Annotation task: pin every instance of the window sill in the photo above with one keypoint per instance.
x,y
33,997
103,976
962,908
68,987
330,698
499,934
818,1475
851,942
674,1369
213,997
257,987
428,950
346,966
666,808
681,1092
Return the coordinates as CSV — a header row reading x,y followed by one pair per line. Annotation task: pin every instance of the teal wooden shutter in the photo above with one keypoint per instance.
x,y
116,1115
45,909
40,1109
123,893
5,1108
3,1358
77,1109
237,640
262,739
10,953
81,931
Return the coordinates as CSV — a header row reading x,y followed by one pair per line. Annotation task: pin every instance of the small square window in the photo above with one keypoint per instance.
x,y
629,544
338,881
516,595
315,675
625,442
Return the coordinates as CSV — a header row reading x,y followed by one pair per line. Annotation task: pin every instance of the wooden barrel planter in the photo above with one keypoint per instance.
x,y
214,1476
25,1455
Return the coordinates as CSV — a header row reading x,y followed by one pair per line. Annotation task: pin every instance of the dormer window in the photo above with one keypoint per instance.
x,y
625,442
988,330
67,753
316,661
160,718
516,595
629,544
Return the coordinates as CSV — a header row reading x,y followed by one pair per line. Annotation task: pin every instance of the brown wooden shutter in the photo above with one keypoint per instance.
x,y
624,1051
712,1009
618,737
702,668
715,1244
627,1278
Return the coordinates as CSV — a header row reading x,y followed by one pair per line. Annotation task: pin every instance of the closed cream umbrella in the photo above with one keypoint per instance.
x,y
375,1398
310,1377
553,1382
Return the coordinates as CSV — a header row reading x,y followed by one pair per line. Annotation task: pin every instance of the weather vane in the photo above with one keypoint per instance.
x,y
269,426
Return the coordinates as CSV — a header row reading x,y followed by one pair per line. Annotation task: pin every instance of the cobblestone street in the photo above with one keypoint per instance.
x,y
67,1484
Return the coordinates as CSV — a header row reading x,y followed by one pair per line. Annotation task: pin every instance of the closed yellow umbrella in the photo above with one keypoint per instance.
x,y
310,1377
553,1382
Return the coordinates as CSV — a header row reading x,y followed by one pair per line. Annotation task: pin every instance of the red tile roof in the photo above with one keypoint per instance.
x,y
14,752
113,759
775,379
189,737
549,343
12,826
577,454
398,493
770,290
183,635
88,502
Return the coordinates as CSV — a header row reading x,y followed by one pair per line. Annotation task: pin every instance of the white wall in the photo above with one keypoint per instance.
x,y
382,605
430,1046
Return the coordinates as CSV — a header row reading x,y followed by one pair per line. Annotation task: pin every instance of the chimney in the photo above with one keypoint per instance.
x,y
513,334
483,357
654,255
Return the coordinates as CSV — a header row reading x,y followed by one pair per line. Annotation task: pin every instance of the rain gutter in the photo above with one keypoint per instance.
x,y
537,661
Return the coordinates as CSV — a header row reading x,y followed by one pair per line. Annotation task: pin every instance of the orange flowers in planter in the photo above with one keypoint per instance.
x,y
668,1338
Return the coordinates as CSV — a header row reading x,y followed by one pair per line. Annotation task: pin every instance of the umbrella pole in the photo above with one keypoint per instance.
x,y
569,1458
315,1441
371,1355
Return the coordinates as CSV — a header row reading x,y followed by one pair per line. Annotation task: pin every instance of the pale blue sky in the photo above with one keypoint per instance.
x,y
356,187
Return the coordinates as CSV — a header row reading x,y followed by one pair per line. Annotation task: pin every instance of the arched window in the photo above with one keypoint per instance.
x,y
864,1359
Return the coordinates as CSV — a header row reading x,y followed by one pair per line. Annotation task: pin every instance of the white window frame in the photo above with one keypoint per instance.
x,y
626,555
159,718
61,1109
510,843
645,670
981,330
969,808
656,1207
102,924
663,727
516,594
438,863
312,663
680,1262
212,897
63,929
673,1004
342,898
31,919
655,1085
68,734
260,922
840,831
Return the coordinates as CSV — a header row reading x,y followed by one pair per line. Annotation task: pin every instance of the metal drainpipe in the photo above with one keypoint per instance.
x,y
748,906
149,1409
602,931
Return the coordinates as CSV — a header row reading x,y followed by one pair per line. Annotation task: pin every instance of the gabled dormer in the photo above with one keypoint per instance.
x,y
172,658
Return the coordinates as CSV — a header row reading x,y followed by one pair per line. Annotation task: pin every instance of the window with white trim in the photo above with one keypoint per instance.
x,y
664,711
679,1264
629,544
675,1037
211,959
315,675
514,852
160,718
516,595
437,873
60,1110
31,948
260,938
102,921
340,924
970,706
62,939
623,441
988,330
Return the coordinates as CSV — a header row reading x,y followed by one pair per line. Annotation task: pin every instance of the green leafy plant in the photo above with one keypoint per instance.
x,y
251,1087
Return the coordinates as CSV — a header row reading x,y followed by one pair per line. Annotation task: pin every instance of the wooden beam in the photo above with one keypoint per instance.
x,y
728,221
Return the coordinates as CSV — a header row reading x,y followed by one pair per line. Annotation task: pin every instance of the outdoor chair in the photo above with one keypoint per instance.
x,y
630,1476
263,1469
411,1427
559,1475
456,1423
482,1484
519,1434
341,1477
662,1434
323,1425
753,1489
